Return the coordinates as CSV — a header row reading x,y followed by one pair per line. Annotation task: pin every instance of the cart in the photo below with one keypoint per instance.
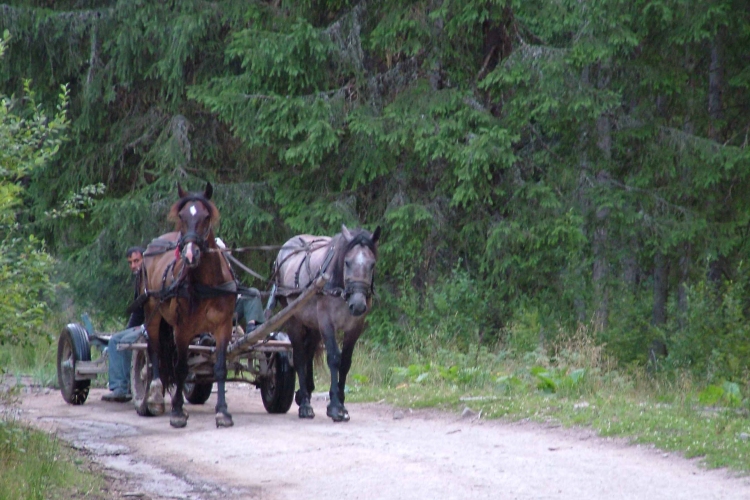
x,y
262,358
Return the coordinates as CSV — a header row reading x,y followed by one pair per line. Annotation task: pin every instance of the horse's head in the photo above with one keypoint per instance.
x,y
194,216
360,256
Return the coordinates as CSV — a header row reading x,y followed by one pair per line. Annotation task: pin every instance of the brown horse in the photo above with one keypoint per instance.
x,y
349,258
190,290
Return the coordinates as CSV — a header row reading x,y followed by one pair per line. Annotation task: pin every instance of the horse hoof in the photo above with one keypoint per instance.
x,y
224,420
306,411
337,413
156,409
179,421
155,398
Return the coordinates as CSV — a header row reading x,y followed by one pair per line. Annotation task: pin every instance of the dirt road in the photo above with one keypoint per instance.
x,y
417,455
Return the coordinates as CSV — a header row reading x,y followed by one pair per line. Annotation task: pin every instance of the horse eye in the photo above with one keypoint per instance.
x,y
347,264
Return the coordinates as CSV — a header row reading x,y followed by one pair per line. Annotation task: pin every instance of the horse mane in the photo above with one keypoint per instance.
x,y
359,237
175,210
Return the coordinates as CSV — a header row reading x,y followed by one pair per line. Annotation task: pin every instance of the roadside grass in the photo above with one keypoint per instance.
x,y
37,361
35,465
570,384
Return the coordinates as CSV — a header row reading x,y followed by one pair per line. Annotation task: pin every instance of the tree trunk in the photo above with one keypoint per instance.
x,y
601,263
715,85
601,266
629,263
658,348
661,275
687,247
682,299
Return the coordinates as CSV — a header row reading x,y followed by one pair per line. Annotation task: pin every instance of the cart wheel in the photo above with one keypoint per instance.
x,y
277,388
199,393
196,394
140,379
72,346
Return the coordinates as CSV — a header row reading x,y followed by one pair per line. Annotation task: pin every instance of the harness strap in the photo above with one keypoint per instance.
x,y
304,248
242,266
306,262
299,269
210,292
327,260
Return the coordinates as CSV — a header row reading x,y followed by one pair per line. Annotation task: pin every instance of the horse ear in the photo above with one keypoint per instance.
x,y
376,235
181,192
346,233
208,191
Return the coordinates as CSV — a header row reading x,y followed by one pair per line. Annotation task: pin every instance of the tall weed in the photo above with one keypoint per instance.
x,y
456,312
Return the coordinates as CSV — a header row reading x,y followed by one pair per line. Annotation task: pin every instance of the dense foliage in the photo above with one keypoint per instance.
x,y
28,141
533,164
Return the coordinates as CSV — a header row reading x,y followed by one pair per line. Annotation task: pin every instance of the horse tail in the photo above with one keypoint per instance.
x,y
167,355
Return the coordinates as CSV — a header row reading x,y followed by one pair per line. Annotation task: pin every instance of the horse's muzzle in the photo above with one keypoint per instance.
x,y
357,304
192,254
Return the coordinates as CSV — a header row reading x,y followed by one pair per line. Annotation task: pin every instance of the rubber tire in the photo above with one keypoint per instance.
x,y
140,379
196,394
73,345
277,389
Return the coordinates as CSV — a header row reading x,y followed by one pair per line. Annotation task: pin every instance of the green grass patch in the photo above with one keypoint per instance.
x,y
35,465
37,361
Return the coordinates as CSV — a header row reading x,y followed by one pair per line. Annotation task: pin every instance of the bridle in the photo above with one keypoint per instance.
x,y
193,237
359,286
353,285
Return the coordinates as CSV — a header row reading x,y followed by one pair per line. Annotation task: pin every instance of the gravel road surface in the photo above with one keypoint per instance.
x,y
382,453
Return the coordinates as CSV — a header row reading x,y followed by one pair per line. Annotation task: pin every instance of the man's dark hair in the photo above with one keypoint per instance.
x,y
130,251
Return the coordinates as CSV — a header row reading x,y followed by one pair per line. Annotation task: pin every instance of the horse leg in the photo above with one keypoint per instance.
x,y
311,345
301,363
335,408
346,364
223,417
310,375
179,416
155,394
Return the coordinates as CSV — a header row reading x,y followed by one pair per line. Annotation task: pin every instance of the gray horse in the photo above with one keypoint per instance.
x,y
349,259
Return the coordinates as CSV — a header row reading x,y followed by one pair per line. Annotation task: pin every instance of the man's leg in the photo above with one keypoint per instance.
x,y
119,367
119,370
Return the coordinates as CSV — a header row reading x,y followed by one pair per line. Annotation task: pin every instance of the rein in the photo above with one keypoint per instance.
x,y
266,248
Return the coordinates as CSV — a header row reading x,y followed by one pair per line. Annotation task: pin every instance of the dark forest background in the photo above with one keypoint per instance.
x,y
534,164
